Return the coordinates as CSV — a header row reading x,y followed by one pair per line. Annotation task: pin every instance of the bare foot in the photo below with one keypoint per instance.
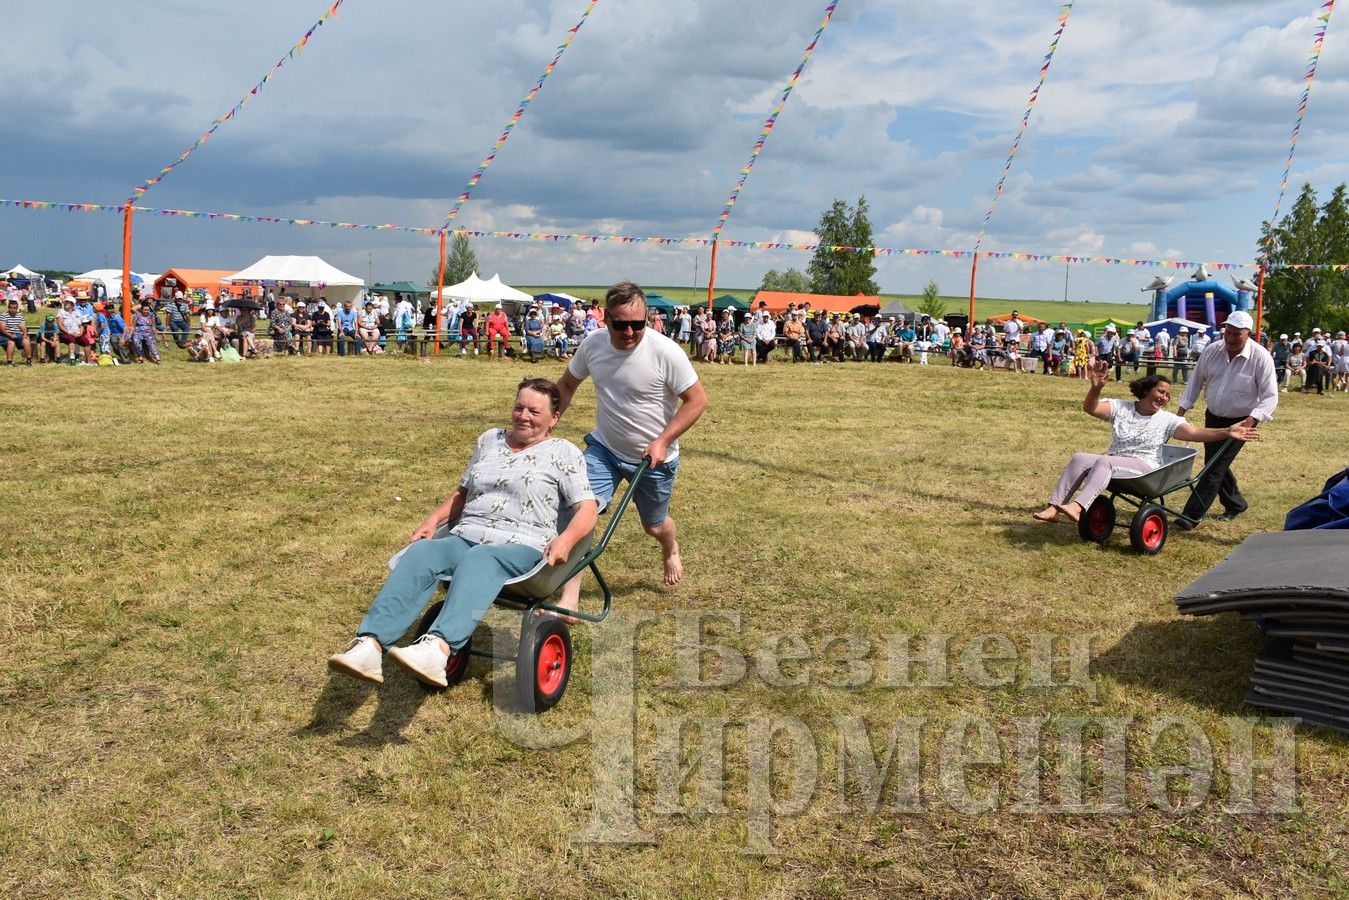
x,y
563,603
1072,509
674,567
1048,514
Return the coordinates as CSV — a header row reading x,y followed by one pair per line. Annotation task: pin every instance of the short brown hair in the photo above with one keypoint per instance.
x,y
624,292
542,386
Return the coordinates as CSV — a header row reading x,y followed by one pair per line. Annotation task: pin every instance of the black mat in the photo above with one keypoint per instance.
x,y
1295,585
1310,710
1279,563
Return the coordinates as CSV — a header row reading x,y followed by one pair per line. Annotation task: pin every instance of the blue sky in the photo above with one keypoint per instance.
x,y
1161,132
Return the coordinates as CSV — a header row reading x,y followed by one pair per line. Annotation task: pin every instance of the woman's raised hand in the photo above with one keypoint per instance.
x,y
1099,373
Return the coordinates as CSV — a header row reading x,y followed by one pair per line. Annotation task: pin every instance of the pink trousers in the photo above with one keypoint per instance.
x,y
1092,472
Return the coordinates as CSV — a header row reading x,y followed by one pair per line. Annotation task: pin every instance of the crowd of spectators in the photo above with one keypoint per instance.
x,y
83,331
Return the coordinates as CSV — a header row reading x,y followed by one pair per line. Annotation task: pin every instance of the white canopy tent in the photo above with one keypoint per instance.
x,y
20,271
307,277
472,288
506,292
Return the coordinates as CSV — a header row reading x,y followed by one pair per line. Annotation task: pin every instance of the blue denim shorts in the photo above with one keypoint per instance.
x,y
606,471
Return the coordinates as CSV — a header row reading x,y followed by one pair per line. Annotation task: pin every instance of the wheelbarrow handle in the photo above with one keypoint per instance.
x,y
614,519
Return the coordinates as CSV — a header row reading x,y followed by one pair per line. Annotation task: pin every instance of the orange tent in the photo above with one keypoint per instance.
x,y
187,280
777,301
1027,320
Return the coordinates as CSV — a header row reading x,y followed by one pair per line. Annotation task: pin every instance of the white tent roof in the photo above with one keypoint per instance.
x,y
475,290
506,292
21,271
471,288
304,270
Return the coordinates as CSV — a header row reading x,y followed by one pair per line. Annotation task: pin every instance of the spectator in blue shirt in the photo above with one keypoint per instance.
x,y
345,319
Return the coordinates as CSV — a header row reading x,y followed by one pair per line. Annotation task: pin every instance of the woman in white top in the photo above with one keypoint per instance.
x,y
505,515
368,329
1140,428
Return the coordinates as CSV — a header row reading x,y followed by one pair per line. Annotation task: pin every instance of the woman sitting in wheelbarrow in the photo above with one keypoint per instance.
x,y
507,506
1140,429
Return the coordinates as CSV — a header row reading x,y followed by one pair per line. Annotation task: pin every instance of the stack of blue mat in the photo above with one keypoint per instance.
x,y
1295,585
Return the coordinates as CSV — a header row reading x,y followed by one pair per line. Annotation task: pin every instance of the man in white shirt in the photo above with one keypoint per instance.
x,y
1011,330
1236,376
1201,340
765,334
647,395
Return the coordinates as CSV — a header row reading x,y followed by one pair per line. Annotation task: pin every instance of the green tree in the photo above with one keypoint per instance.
x,y
793,281
932,304
460,262
1297,299
843,271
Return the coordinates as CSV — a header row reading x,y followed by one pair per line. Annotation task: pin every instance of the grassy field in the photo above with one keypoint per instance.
x,y
1050,310
185,545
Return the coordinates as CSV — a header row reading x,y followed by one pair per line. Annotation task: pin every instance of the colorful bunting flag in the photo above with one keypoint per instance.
x,y
220,120
669,241
518,114
772,120
1322,23
1064,12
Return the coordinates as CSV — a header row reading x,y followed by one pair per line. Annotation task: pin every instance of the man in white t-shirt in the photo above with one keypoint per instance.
x,y
646,395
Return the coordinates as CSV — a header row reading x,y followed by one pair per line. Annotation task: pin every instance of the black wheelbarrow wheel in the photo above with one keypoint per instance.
x,y
543,666
1147,532
1098,521
457,665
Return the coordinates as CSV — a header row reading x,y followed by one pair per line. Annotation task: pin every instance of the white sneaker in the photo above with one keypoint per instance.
x,y
360,660
424,659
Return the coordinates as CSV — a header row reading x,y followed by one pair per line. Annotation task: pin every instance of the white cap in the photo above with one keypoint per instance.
x,y
1110,328
1240,319
498,306
1183,330
1316,331
957,330
1283,337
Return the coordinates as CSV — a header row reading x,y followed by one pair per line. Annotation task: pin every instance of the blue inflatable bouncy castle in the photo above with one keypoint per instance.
x,y
1201,299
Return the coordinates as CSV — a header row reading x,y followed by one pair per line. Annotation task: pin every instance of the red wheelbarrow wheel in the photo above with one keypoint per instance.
x,y
543,666
1147,533
1098,521
457,665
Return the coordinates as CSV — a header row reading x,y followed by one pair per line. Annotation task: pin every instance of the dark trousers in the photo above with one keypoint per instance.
x,y
764,348
1316,378
1218,481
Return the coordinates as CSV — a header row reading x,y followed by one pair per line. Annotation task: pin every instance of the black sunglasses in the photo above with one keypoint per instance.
x,y
627,324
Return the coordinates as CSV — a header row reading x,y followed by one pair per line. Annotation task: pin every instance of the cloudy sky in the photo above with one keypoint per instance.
x,y
1162,132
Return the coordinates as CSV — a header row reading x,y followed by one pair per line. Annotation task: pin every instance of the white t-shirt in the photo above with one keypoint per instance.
x,y
636,391
1011,330
1140,437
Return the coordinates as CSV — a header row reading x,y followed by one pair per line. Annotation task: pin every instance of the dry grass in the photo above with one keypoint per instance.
x,y
184,545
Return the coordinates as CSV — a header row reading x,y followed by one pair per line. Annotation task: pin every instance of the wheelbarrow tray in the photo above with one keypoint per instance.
x,y
1174,473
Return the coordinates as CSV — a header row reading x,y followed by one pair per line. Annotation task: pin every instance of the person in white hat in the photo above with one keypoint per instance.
x,y
1236,377
1180,354
1340,348
1107,348
1280,352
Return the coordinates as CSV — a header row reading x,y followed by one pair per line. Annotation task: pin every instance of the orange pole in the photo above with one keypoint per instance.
x,y
440,291
973,270
1260,299
126,265
712,275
